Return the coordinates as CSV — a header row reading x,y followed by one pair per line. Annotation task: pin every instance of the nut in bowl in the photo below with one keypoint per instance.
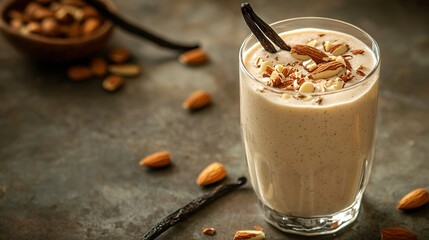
x,y
57,30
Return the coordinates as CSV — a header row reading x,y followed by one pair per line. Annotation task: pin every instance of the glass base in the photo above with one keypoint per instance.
x,y
312,226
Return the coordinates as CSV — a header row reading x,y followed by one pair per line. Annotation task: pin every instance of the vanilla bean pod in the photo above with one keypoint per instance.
x,y
262,30
137,30
191,208
266,29
266,44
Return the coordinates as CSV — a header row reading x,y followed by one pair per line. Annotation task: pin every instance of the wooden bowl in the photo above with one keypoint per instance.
x,y
51,49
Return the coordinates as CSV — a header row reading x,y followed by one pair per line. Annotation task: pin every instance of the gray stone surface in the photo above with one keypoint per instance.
x,y
69,151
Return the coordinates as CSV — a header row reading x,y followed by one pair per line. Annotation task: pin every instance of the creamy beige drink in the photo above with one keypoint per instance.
x,y
308,120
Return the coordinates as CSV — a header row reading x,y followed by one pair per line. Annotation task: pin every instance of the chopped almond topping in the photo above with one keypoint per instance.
x,y
357,51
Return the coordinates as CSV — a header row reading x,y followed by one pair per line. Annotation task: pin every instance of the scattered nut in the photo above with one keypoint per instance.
x,y
194,57
209,231
113,83
79,73
211,174
125,70
98,67
119,55
249,235
414,199
397,233
197,100
156,160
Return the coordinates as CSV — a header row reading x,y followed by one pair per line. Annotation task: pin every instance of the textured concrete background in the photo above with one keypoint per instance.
x,y
69,151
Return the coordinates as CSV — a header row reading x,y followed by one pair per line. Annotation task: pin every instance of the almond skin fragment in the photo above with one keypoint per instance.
x,y
397,234
209,231
249,235
197,100
414,199
305,52
211,174
194,57
79,73
156,160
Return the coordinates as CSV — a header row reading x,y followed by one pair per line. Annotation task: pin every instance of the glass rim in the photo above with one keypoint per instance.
x,y
374,49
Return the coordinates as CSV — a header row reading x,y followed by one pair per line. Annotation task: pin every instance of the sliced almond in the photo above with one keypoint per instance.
x,y
339,49
327,70
50,27
209,231
414,199
79,73
397,233
194,57
309,65
156,160
211,174
327,45
113,83
249,235
312,43
197,100
304,52
125,70
119,55
306,87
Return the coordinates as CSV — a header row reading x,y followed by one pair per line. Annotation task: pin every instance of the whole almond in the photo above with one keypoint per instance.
x,y
327,70
50,27
339,49
16,24
41,13
126,70
211,174
34,27
305,52
209,231
397,234
194,57
156,160
119,55
249,235
414,199
113,83
197,100
90,25
79,73
30,9
98,67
